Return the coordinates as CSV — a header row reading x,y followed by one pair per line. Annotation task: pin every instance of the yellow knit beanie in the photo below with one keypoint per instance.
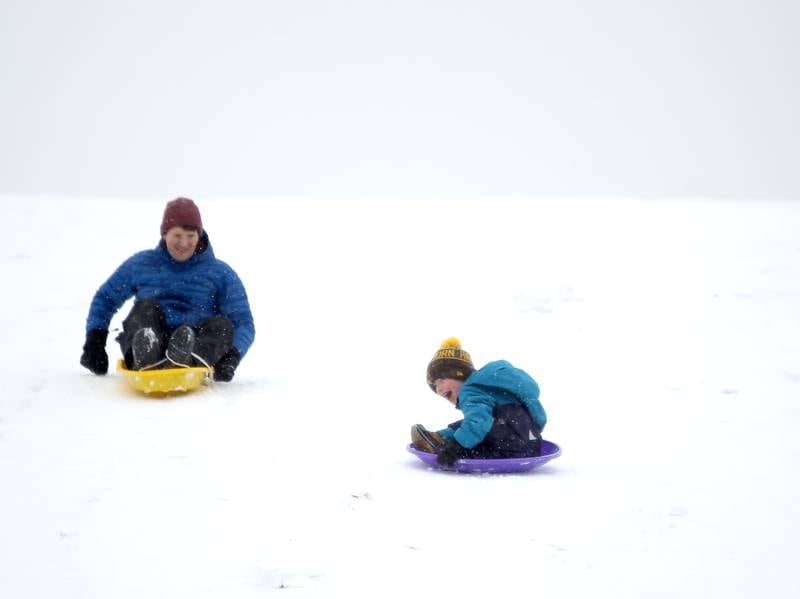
x,y
449,362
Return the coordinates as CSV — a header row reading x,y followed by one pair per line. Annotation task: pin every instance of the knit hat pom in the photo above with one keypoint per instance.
x,y
450,343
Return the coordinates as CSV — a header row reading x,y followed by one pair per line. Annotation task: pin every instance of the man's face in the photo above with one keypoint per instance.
x,y
181,243
449,389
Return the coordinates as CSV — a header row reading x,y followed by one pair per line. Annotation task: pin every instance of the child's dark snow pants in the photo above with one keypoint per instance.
x,y
513,435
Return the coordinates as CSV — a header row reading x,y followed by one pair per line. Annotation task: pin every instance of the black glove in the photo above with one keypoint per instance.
x,y
449,452
224,369
94,356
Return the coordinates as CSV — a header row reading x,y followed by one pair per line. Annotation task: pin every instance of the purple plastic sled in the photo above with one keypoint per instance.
x,y
550,451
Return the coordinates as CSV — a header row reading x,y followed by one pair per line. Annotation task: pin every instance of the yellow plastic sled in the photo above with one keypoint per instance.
x,y
167,380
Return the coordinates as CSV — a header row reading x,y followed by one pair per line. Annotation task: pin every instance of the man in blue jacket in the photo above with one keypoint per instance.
x,y
190,308
503,417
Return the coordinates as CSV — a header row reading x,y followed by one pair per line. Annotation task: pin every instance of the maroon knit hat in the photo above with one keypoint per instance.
x,y
181,212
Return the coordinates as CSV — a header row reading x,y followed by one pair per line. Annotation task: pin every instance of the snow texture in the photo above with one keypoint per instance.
x,y
665,337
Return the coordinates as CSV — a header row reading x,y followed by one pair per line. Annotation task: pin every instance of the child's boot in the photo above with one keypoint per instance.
x,y
425,440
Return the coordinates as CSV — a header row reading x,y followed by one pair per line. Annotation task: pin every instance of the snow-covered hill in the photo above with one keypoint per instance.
x,y
665,337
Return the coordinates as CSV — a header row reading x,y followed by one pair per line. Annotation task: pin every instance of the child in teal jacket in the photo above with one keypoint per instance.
x,y
503,416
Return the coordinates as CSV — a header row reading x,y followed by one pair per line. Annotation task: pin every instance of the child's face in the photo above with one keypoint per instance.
x,y
449,389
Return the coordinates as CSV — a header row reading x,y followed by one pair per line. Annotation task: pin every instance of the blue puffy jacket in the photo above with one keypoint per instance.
x,y
495,384
189,291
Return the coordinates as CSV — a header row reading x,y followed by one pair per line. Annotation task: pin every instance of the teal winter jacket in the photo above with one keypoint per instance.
x,y
495,384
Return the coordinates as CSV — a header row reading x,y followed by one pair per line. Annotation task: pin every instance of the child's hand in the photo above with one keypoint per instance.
x,y
449,452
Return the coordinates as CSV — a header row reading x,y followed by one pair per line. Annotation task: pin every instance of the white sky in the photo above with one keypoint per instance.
x,y
442,97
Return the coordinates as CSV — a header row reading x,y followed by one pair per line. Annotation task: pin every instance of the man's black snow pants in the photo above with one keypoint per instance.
x,y
213,336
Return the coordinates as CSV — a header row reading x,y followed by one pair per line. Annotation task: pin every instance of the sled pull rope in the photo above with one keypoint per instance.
x,y
156,365
194,355
209,379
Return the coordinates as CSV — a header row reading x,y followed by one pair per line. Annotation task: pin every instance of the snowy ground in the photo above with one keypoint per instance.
x,y
665,337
